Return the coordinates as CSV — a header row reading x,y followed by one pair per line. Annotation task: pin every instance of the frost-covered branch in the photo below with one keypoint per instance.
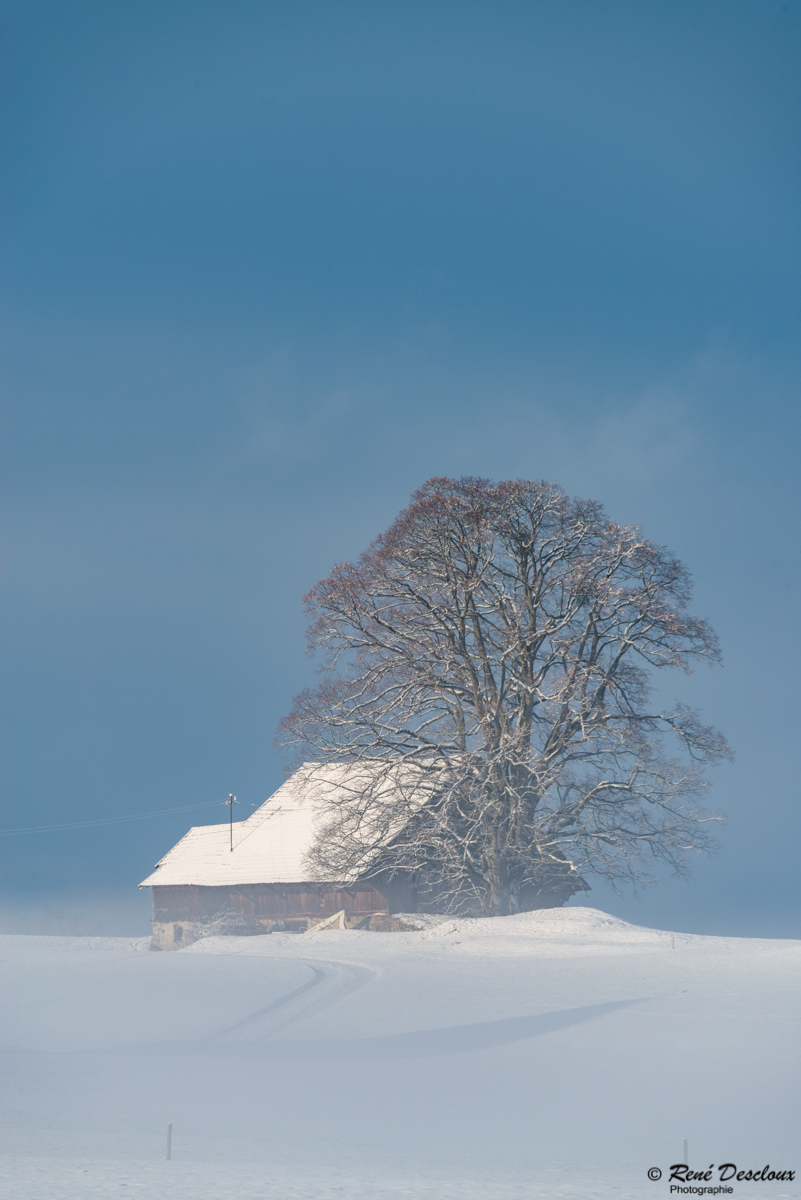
x,y
488,660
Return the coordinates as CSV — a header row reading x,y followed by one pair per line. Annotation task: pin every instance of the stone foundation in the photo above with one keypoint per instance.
x,y
174,935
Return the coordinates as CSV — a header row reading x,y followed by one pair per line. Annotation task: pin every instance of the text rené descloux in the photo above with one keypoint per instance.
x,y
682,1173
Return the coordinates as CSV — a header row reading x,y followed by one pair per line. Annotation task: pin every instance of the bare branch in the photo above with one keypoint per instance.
x,y
488,660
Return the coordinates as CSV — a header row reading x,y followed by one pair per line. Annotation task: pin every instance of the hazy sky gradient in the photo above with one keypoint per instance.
x,y
269,266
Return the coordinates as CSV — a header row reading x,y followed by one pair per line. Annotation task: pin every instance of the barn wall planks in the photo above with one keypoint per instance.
x,y
183,914
263,900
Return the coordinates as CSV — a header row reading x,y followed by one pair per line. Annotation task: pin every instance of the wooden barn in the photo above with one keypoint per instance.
x,y
263,884
254,877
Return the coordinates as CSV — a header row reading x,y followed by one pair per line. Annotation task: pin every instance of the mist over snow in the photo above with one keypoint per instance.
x,y
557,1054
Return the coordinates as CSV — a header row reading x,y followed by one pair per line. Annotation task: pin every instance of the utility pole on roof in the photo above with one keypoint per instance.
x,y
231,801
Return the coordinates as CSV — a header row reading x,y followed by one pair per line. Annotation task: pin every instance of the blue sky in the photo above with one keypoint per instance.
x,y
269,266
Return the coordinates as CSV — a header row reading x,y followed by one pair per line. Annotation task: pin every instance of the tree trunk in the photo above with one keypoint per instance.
x,y
499,893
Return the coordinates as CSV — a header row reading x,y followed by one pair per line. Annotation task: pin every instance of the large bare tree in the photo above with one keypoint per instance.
x,y
487,666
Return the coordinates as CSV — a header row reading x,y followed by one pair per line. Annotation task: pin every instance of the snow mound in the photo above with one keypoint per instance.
x,y
579,926
551,932
575,923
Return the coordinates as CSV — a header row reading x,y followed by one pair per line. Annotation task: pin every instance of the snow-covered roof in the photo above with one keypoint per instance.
x,y
271,846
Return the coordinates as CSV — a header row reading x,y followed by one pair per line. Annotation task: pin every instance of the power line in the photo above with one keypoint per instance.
x,y
159,812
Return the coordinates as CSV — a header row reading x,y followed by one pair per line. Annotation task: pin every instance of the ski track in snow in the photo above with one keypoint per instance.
x,y
558,1054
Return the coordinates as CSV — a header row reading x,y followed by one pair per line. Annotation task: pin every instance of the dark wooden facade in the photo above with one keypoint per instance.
x,y
182,914
264,901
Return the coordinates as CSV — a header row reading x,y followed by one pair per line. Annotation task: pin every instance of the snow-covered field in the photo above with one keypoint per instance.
x,y
554,1054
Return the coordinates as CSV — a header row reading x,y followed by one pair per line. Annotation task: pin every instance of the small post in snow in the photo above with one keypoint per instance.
x,y
168,1155
231,801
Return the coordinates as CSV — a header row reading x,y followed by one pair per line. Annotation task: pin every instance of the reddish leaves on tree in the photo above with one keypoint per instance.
x,y
498,642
